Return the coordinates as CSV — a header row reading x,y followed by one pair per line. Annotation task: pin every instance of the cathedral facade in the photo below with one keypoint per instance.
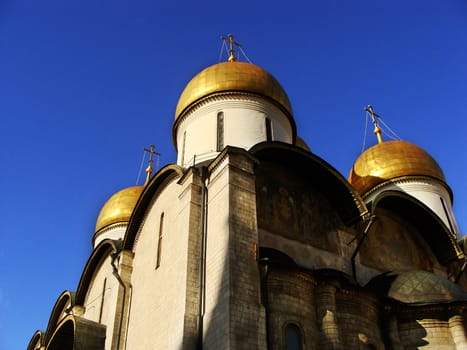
x,y
251,241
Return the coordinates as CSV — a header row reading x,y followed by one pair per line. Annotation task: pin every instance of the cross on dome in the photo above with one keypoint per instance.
x,y
151,152
232,44
377,130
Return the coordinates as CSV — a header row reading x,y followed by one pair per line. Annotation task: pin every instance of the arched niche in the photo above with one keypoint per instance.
x,y
407,235
77,333
303,198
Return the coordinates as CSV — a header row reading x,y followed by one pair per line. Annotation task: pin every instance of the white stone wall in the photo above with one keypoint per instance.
x,y
158,294
97,296
217,262
244,126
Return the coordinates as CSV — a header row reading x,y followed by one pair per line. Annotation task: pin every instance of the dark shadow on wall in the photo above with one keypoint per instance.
x,y
412,334
233,316
237,307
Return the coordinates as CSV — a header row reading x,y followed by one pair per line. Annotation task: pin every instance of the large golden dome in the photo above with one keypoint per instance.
x,y
232,76
389,160
119,207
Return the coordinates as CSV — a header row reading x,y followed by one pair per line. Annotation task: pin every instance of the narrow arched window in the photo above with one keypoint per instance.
x,y
220,131
268,126
159,241
293,337
183,148
446,213
102,300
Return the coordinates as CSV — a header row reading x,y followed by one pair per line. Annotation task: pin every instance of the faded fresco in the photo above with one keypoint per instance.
x,y
394,244
288,205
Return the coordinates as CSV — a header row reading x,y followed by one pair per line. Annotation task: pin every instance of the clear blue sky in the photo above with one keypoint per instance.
x,y
85,85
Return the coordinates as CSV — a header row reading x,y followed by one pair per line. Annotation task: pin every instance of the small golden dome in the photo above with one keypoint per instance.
x,y
232,76
389,160
119,207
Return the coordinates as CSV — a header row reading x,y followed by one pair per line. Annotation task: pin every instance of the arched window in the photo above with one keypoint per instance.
x,y
268,126
183,148
446,212
159,242
220,131
293,337
102,300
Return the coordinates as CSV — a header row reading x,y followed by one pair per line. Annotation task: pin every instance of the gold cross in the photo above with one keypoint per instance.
x,y
377,130
232,45
151,152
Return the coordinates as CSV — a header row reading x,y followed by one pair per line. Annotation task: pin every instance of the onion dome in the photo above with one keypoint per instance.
x,y
119,207
232,76
389,160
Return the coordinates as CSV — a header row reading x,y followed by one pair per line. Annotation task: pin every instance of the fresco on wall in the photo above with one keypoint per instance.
x,y
394,244
288,205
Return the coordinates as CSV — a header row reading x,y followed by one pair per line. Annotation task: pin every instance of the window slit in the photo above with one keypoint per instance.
x,y
183,148
102,300
268,125
448,217
159,241
220,131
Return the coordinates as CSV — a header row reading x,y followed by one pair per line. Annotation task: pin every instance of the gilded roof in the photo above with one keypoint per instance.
x,y
389,160
232,76
119,207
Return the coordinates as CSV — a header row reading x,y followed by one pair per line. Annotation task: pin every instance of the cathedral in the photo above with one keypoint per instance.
x,y
251,241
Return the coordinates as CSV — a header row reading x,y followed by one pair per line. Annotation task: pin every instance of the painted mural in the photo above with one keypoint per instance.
x,y
291,207
399,244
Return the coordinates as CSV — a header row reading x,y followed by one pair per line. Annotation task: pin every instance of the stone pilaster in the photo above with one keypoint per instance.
x,y
234,317
326,314
192,196
125,268
457,327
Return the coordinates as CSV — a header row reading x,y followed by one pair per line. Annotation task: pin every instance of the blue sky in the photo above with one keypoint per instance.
x,y
86,85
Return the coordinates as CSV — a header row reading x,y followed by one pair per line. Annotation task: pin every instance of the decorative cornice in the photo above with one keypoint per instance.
x,y
396,307
407,179
111,227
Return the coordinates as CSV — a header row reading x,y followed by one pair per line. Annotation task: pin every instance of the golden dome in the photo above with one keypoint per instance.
x,y
119,207
389,160
232,76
